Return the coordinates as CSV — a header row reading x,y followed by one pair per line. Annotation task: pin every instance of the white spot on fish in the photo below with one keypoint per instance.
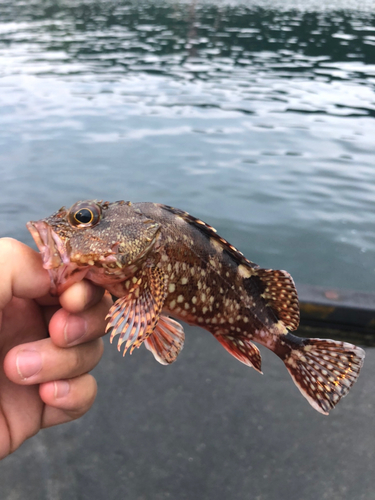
x,y
218,247
244,271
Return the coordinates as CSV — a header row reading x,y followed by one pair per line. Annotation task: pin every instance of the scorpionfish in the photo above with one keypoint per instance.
x,y
162,263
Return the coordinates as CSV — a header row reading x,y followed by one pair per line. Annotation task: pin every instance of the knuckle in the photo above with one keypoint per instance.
x,y
100,348
86,356
87,395
77,362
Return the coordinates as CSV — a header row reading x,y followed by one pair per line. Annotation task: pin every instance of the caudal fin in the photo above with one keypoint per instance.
x,y
323,370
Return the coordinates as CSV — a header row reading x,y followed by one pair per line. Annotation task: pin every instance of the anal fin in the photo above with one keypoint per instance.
x,y
242,349
166,341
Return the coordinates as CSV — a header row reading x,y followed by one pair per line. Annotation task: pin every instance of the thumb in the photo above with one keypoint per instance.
x,y
22,273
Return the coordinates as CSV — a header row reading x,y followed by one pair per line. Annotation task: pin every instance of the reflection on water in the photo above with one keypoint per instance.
x,y
259,119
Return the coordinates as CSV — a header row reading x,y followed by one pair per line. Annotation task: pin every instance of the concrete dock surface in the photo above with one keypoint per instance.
x,y
206,427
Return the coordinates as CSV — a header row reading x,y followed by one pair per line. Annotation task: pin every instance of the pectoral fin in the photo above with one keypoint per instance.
x,y
166,341
135,315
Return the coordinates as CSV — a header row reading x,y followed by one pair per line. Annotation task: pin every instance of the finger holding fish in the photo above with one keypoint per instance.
x,y
81,296
42,361
67,400
72,328
22,273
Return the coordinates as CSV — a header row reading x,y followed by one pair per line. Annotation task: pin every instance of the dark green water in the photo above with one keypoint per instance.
x,y
258,118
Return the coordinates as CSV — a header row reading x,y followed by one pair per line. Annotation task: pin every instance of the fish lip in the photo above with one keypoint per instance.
x,y
54,255
49,244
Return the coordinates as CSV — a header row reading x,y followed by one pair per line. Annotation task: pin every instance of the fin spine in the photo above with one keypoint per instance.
x,y
210,231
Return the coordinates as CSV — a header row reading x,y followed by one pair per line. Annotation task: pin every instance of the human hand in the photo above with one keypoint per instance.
x,y
44,380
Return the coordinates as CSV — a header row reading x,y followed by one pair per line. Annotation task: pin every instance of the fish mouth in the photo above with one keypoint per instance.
x,y
50,246
56,259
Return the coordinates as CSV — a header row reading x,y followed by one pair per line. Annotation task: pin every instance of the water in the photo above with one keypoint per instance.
x,y
257,117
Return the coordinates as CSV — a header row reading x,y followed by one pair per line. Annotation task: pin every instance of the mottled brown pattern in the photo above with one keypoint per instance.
x,y
161,261
210,283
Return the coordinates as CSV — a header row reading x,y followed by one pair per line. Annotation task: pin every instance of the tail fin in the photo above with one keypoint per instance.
x,y
323,370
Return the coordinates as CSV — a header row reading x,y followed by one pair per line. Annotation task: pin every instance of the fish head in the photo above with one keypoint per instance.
x,y
103,241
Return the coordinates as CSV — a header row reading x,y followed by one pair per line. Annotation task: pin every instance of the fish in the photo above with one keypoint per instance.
x,y
162,266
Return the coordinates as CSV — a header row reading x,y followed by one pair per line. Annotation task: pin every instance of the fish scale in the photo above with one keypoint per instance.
x,y
161,261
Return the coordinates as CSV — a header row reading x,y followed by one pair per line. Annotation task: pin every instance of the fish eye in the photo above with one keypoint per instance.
x,y
84,214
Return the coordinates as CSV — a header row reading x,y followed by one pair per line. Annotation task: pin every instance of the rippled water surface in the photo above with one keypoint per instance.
x,y
257,117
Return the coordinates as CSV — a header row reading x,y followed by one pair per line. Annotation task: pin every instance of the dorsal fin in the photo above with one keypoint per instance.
x,y
211,233
279,291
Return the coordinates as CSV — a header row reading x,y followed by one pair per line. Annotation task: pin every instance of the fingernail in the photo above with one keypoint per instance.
x,y
28,363
75,328
62,388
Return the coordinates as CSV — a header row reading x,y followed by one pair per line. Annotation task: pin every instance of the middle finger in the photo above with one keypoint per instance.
x,y
43,361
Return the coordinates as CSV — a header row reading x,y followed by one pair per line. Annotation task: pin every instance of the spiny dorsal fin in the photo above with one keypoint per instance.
x,y
211,233
280,293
